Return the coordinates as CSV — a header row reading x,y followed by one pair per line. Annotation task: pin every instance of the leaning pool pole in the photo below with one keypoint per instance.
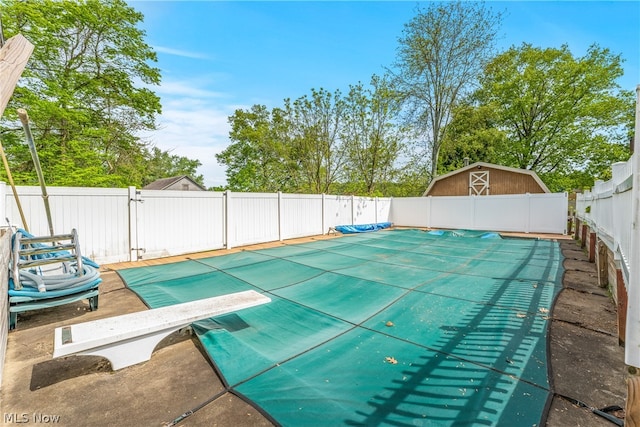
x,y
24,118
13,187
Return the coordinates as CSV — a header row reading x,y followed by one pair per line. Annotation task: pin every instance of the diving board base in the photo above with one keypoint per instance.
x,y
130,352
131,338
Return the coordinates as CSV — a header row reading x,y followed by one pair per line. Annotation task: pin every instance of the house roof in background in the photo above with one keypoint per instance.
x,y
164,183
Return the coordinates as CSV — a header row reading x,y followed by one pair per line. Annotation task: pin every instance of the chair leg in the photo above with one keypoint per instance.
x,y
13,320
93,303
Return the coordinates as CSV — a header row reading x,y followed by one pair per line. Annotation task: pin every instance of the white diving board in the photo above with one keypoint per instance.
x,y
131,338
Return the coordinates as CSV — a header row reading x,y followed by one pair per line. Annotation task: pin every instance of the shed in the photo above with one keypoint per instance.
x,y
482,179
183,183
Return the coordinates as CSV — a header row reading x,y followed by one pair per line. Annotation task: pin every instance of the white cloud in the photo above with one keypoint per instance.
x,y
179,52
197,134
193,124
180,88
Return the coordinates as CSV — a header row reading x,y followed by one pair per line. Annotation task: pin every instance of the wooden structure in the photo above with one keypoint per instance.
x,y
14,56
13,59
181,183
483,179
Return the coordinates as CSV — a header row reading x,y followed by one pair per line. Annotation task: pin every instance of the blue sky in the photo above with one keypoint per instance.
x,y
218,56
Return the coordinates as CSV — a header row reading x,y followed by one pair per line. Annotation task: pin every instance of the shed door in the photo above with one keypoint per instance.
x,y
479,183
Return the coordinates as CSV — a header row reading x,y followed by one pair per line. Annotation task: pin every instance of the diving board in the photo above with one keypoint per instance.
x,y
130,338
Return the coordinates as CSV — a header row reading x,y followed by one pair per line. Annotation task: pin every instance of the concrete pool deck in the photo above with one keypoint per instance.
x,y
178,386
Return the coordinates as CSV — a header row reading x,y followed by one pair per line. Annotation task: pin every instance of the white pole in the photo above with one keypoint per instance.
x,y
228,211
632,343
324,215
133,225
280,217
353,210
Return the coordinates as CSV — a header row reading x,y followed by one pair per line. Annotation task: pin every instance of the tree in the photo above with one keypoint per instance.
x,y
471,135
441,53
560,114
257,158
316,147
319,143
80,90
372,141
162,164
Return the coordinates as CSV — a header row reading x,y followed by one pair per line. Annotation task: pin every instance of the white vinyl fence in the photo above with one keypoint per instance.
x,y
608,209
528,213
128,224
612,210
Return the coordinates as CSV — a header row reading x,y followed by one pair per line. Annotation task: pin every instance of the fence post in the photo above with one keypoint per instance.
x,y
375,204
227,219
133,224
592,246
353,210
567,230
280,216
623,299
527,228
324,215
473,212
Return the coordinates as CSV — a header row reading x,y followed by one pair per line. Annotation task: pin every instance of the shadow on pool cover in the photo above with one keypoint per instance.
x,y
398,327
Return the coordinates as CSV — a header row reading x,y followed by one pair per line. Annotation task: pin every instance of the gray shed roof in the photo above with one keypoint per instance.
x,y
164,183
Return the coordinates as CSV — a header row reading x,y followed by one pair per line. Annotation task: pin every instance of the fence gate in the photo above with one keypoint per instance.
x,y
172,222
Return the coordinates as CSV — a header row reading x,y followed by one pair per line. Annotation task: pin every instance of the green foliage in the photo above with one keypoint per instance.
x,y
472,134
322,143
561,116
258,159
372,141
315,145
80,89
162,164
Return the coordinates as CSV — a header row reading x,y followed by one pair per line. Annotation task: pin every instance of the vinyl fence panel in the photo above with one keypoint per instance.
x,y
338,210
177,222
548,213
100,216
253,218
501,212
301,215
383,209
452,212
364,210
410,211
534,213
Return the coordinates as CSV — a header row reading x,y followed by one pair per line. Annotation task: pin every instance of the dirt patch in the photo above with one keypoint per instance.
x,y
587,364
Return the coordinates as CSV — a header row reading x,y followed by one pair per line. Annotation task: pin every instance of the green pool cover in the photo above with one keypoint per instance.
x,y
396,327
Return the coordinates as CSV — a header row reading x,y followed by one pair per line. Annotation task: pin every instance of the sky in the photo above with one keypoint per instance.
x,y
219,56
